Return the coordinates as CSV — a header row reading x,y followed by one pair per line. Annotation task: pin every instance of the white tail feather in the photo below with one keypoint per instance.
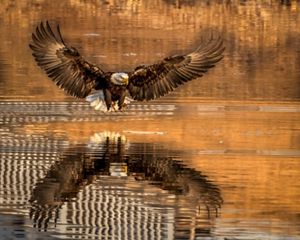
x,y
97,101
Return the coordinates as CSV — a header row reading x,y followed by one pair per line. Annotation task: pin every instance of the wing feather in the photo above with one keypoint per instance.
x,y
156,80
63,64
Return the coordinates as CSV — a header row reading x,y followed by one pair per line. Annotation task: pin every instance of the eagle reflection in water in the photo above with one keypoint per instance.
x,y
109,156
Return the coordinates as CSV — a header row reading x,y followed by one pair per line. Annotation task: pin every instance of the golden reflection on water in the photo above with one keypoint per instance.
x,y
249,152
252,151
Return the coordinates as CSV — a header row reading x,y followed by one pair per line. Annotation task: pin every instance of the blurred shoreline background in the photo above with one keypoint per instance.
x,y
261,63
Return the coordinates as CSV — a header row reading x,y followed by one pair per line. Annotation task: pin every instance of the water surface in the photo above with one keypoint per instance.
x,y
219,158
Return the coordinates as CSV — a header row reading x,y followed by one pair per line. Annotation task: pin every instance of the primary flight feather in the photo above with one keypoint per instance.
x,y
79,78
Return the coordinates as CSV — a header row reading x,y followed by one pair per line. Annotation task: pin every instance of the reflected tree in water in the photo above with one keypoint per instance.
x,y
110,156
180,3
286,2
4,68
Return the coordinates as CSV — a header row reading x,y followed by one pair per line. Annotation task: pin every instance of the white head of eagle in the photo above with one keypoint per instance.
x,y
119,78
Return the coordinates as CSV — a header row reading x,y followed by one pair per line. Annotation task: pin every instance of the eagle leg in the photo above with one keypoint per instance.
x,y
121,101
107,97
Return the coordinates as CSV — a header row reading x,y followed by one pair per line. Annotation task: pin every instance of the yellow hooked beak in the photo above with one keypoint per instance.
x,y
126,80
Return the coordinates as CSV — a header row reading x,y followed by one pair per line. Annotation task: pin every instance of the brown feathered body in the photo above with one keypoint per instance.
x,y
79,78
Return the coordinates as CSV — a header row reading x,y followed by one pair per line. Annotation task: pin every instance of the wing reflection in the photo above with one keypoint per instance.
x,y
125,171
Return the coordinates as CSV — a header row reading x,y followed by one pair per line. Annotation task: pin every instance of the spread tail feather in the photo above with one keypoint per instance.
x,y
97,101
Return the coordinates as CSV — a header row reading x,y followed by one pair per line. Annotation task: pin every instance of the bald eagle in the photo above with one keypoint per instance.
x,y
79,78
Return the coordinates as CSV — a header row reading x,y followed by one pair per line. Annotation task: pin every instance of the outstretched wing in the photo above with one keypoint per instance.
x,y
63,64
153,81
